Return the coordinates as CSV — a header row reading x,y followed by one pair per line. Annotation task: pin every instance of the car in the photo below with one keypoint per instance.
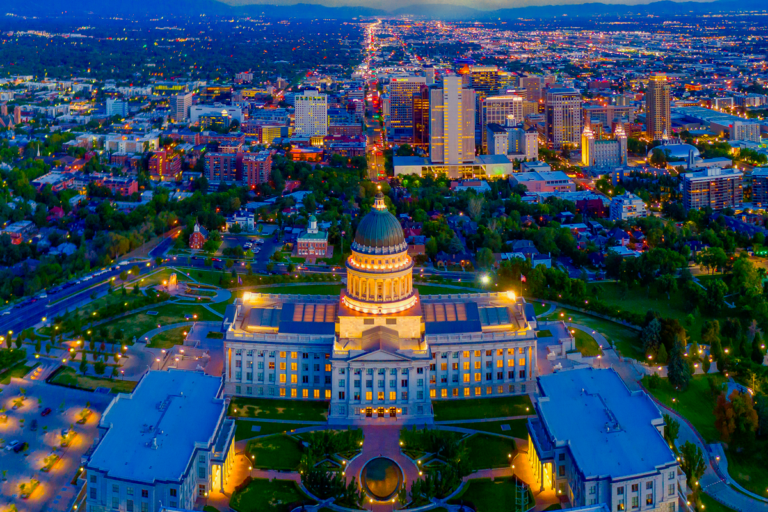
x,y
19,447
33,425
46,412
12,445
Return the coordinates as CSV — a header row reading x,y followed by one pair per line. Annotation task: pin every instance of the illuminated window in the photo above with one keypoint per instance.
x,y
510,351
521,361
328,367
432,393
317,393
465,353
466,391
294,355
393,395
478,364
489,390
282,391
500,363
282,366
510,362
282,354
380,395
327,394
501,389
444,393
478,377
466,365
293,379
478,391
294,367
282,378
293,392
477,353
466,377
369,395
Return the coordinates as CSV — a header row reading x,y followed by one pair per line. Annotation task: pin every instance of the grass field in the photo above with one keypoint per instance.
x,y
539,307
477,408
586,344
499,495
696,403
157,278
244,428
108,300
263,495
490,451
280,452
546,333
749,470
140,323
710,505
169,338
625,340
70,377
517,428
17,371
288,410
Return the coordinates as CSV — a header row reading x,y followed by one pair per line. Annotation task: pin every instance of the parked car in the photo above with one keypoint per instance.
x,y
12,445
19,447
46,411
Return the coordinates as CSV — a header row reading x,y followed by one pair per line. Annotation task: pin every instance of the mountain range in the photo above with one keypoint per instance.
x,y
318,11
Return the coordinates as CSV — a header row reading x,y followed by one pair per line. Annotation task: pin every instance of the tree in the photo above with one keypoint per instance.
x,y
99,367
123,275
671,432
661,356
736,419
485,258
758,348
455,246
83,365
692,463
651,337
679,370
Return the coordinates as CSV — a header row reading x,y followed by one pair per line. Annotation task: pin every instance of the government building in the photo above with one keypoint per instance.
x,y
380,352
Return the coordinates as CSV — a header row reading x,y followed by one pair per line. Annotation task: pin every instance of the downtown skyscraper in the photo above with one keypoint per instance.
x,y
563,109
658,118
452,123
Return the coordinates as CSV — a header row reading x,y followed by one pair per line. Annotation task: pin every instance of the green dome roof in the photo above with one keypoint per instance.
x,y
379,232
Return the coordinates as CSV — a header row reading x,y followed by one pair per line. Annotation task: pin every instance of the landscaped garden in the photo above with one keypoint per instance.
x,y
481,408
262,495
279,451
135,325
287,410
586,344
624,339
169,338
244,429
66,376
489,451
498,495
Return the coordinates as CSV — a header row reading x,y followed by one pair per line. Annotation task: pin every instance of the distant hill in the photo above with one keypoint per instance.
x,y
309,11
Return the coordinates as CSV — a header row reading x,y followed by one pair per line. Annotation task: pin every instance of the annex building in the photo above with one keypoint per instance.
x,y
379,352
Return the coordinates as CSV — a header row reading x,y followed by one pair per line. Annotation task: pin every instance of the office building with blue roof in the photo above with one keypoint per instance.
x,y
380,352
164,445
594,441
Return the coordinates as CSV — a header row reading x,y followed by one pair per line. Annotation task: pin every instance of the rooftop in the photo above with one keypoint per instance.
x,y
610,430
153,432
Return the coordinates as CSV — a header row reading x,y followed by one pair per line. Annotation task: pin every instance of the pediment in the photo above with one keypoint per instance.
x,y
380,355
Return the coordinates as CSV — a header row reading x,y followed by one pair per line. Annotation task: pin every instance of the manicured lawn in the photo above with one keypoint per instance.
x,y
69,377
275,452
169,338
288,410
710,505
18,371
750,472
696,403
108,300
138,324
244,428
539,308
625,340
157,278
499,495
221,307
449,410
586,344
546,333
310,289
426,289
263,495
517,428
490,451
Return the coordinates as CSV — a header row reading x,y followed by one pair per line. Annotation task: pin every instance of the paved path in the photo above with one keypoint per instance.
x,y
485,420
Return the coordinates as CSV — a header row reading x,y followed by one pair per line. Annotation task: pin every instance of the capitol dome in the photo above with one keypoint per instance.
x,y
379,271
379,232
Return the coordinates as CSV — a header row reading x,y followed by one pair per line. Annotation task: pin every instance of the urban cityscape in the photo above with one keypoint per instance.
x,y
478,257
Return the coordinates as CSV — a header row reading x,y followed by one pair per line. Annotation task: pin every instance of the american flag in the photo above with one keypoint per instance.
x,y
522,278
239,279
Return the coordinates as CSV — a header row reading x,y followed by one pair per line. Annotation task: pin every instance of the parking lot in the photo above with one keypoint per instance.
x,y
260,258
55,492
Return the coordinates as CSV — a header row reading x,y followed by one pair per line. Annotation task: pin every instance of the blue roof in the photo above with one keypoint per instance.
x,y
611,431
179,409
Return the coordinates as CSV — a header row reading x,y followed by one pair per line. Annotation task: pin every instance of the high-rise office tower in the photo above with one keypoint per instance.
x,y
452,123
563,108
117,108
429,74
484,80
311,116
401,93
180,107
421,118
658,119
497,109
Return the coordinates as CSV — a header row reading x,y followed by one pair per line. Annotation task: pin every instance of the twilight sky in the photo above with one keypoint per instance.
x,y
389,5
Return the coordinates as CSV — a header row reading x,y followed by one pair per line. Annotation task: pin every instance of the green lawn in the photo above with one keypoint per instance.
x,y
263,495
69,377
749,471
450,410
490,451
288,410
625,340
539,308
169,338
546,333
696,403
586,344
710,505
499,495
281,452
517,428
244,428
140,323
157,278
18,371
108,300
221,307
